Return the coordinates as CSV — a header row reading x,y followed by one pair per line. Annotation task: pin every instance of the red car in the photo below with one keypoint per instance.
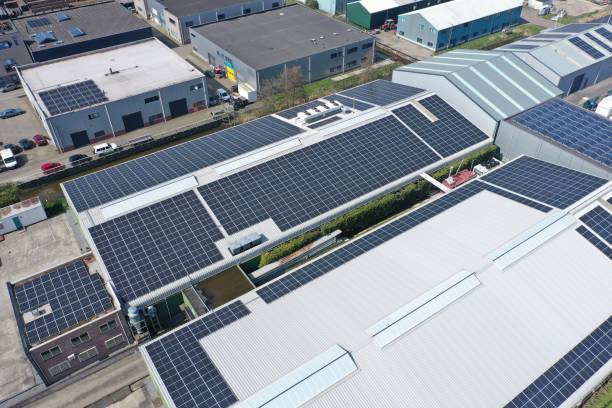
x,y
39,140
51,167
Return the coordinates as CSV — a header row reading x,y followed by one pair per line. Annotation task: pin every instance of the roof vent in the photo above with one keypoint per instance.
x,y
245,243
322,37
335,33
349,29
112,72
281,14
38,312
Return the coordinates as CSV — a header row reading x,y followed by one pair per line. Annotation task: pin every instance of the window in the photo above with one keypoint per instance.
x,y
336,68
246,11
4,45
52,352
111,324
114,341
429,44
152,99
94,115
80,339
87,354
171,20
466,24
400,32
59,368
366,46
189,23
334,55
152,119
419,40
275,4
220,16
351,64
195,87
431,30
351,50
421,27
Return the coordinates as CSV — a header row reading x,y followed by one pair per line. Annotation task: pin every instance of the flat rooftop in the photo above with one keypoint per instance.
x,y
188,7
96,21
137,68
273,37
217,188
12,47
466,301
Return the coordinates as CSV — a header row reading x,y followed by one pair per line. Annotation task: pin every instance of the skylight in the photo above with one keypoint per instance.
x,y
76,31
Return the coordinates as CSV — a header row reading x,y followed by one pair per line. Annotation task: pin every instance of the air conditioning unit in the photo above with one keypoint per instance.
x,y
38,312
320,112
245,243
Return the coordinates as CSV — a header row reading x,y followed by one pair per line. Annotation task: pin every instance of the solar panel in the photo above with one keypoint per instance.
x,y
38,22
519,47
548,183
598,42
573,127
568,374
573,28
586,47
600,221
76,32
156,245
449,134
73,294
119,181
335,259
596,242
350,102
179,356
381,92
303,184
72,97
553,36
324,122
607,34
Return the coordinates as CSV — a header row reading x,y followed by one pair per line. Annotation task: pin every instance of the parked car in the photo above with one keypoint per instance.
x,y
26,144
239,102
8,158
40,140
77,159
13,148
51,167
223,95
8,87
10,112
209,73
213,100
104,148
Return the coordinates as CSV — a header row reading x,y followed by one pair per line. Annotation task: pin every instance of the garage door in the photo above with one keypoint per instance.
x,y
79,138
132,121
178,108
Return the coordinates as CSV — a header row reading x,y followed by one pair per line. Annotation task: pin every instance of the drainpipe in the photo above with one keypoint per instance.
x,y
109,120
161,103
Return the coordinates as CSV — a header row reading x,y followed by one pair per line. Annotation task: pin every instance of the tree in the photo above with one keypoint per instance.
x,y
268,90
367,73
313,4
294,86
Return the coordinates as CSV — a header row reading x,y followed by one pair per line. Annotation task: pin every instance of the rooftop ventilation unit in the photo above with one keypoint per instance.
x,y
245,243
38,312
320,112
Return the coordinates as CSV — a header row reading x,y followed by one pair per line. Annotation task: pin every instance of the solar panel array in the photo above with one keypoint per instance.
x,y
548,183
600,221
568,374
586,47
71,97
148,171
156,245
39,22
553,36
573,28
343,255
73,295
596,242
598,42
350,102
576,128
519,47
301,185
607,34
381,92
179,357
324,122
449,134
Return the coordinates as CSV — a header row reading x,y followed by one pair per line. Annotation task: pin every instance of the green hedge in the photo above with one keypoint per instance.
x,y
376,211
55,207
8,194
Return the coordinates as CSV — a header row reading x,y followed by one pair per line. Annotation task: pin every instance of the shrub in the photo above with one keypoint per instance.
x,y
289,247
55,207
8,194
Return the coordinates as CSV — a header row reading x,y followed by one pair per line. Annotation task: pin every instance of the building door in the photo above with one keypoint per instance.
x,y
18,223
79,138
576,83
178,108
132,121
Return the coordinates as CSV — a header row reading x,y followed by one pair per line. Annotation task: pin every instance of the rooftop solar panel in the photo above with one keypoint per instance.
x,y
73,294
607,34
596,242
577,129
553,36
586,47
354,104
381,92
38,22
548,183
301,185
519,47
598,42
600,221
449,134
179,356
72,97
156,245
560,381
136,175
573,28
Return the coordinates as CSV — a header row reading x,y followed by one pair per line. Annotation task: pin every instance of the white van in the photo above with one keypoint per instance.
x,y
8,158
223,95
104,148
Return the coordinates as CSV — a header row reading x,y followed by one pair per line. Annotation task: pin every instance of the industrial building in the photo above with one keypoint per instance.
x,y
371,14
265,46
94,96
572,57
68,319
331,6
19,215
324,158
13,52
450,24
493,295
174,17
74,31
485,86
561,133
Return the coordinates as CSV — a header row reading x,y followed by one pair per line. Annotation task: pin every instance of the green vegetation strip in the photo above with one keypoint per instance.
x,y
376,211
602,398
498,39
8,194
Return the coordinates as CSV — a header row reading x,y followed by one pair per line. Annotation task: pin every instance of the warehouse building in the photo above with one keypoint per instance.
x,y
77,30
493,295
174,17
68,319
331,6
326,158
13,52
572,57
485,86
450,24
561,133
371,14
265,46
94,96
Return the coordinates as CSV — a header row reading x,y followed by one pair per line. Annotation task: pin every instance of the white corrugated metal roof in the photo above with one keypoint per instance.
x,y
456,12
374,6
